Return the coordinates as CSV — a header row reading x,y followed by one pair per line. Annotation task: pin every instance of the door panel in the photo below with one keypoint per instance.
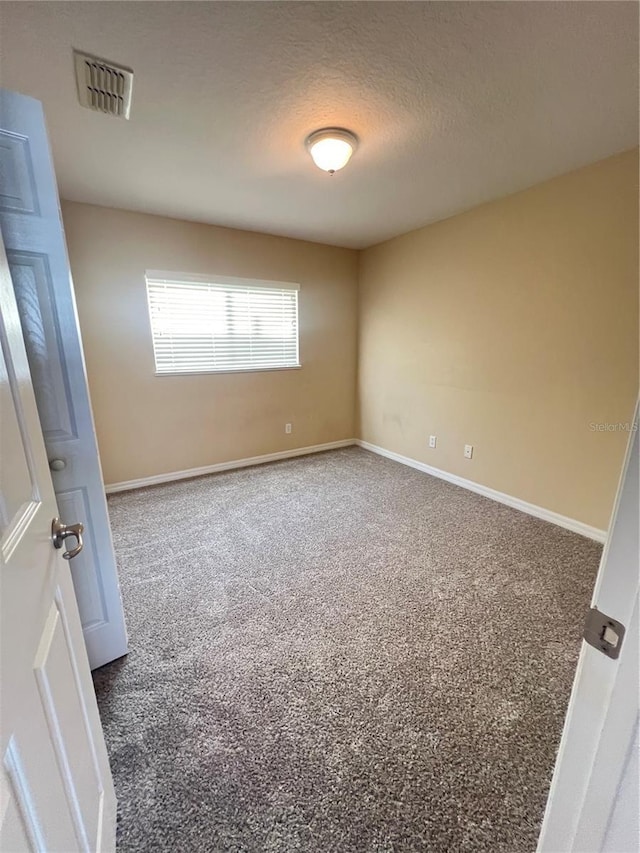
x,y
19,490
55,673
20,494
33,287
55,782
18,833
17,187
22,821
34,239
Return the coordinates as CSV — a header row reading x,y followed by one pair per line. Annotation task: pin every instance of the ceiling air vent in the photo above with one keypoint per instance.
x,y
103,85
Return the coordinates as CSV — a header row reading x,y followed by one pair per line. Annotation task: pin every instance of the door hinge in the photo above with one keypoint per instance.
x,y
603,633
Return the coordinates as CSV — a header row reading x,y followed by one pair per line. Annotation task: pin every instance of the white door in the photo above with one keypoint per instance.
x,y
36,250
593,803
56,791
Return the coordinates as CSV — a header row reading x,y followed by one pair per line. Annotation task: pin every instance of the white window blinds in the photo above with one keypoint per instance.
x,y
206,324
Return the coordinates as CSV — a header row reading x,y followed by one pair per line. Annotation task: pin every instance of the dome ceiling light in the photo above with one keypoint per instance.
x,y
331,148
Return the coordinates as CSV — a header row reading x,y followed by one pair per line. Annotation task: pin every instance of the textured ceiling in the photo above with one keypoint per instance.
x,y
454,103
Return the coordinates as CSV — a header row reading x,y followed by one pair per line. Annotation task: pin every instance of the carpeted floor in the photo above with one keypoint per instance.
x,y
337,653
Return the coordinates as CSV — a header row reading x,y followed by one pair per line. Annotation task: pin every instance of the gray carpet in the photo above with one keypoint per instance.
x,y
338,653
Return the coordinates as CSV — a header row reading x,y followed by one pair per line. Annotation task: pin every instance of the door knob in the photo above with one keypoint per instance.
x,y
60,531
57,464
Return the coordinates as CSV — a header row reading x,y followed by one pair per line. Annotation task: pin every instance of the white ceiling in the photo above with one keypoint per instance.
x,y
455,103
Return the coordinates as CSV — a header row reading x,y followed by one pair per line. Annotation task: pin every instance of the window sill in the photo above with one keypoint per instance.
x,y
231,370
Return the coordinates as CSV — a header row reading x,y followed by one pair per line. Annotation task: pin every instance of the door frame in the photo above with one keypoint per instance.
x,y
602,715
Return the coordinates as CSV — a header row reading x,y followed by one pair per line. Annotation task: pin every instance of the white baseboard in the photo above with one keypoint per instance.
x,y
127,485
501,497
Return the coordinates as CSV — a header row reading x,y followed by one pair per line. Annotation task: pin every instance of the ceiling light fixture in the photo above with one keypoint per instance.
x,y
331,148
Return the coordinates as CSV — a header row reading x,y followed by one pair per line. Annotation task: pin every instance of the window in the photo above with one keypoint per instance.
x,y
204,324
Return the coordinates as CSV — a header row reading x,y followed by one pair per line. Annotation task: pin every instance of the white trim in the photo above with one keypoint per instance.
x,y
160,276
531,509
226,370
126,485
516,503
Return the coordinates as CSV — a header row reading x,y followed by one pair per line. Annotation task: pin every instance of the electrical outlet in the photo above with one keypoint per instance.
x,y
287,429
432,441
468,451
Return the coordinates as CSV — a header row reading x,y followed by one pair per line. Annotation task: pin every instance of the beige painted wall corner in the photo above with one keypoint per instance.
x,y
513,328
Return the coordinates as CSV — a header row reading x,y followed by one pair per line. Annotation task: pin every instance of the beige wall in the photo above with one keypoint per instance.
x,y
512,327
148,424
